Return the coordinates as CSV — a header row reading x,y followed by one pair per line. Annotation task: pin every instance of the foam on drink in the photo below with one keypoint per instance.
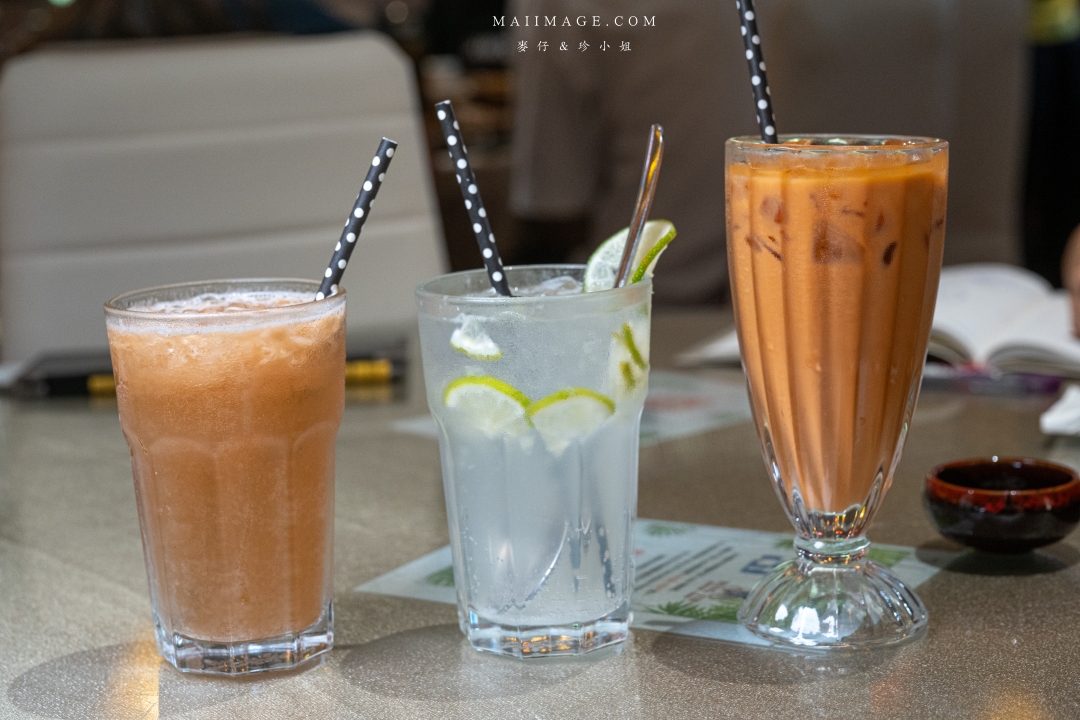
x,y
225,302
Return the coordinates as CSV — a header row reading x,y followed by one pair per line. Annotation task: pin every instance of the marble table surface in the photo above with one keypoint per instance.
x,y
75,631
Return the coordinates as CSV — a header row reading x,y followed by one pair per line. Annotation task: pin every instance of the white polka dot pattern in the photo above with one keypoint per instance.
x,y
760,84
361,209
478,218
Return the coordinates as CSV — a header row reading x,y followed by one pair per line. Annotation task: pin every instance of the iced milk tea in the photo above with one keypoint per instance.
x,y
230,398
834,246
834,256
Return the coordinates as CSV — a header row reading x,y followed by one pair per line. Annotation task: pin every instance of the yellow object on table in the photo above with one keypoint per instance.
x,y
101,384
367,372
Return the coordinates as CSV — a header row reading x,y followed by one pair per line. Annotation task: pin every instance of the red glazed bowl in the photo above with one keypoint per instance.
x,y
1003,505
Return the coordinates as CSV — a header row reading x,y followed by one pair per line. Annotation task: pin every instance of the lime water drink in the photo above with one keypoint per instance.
x,y
538,401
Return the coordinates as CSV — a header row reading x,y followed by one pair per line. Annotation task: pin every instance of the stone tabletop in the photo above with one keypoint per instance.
x,y
75,632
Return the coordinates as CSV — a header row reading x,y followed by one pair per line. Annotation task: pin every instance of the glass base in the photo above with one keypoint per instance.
x,y
832,596
284,652
533,641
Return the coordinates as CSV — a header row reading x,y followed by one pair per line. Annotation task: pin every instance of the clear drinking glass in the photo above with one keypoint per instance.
x,y
538,402
834,249
231,393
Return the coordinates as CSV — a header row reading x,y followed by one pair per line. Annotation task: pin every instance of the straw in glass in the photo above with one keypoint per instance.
x,y
654,155
375,176
756,63
471,193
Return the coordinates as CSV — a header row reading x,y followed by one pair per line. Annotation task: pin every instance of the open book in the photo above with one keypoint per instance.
x,y
1000,317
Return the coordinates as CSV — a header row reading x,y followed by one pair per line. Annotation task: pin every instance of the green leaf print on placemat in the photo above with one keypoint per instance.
x,y
658,530
886,556
722,611
442,578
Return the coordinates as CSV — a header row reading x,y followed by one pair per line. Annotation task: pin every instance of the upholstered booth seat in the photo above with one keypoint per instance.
x,y
137,164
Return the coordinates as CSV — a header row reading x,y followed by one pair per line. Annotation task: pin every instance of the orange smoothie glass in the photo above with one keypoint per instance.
x,y
834,251
231,394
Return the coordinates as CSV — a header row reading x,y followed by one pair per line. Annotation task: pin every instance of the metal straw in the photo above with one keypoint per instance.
x,y
375,176
756,62
646,190
471,193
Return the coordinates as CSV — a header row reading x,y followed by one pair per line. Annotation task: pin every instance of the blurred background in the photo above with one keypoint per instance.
x,y
555,98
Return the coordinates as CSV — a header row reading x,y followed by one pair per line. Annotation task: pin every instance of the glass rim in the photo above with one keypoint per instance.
x,y
112,308
933,478
422,290
840,142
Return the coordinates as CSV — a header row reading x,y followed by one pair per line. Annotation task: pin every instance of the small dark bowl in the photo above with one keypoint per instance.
x,y
1003,505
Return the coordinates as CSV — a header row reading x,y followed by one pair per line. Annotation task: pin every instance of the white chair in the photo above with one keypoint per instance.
x,y
126,165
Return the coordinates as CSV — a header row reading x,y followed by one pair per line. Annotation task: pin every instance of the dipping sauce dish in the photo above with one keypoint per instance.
x,y
1003,505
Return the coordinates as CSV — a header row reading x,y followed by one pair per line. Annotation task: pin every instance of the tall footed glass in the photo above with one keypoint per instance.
x,y
834,251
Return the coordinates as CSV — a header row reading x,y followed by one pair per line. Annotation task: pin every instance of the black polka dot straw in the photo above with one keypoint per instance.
x,y
375,176
756,62
477,214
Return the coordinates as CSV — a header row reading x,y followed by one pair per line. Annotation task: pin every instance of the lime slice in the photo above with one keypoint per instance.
x,y
493,406
629,363
471,339
602,267
639,354
569,415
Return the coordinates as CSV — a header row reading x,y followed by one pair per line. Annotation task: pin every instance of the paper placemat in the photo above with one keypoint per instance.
x,y
689,579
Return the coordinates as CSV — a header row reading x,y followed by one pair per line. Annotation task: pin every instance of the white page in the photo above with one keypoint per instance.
x,y
975,303
722,349
1042,331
